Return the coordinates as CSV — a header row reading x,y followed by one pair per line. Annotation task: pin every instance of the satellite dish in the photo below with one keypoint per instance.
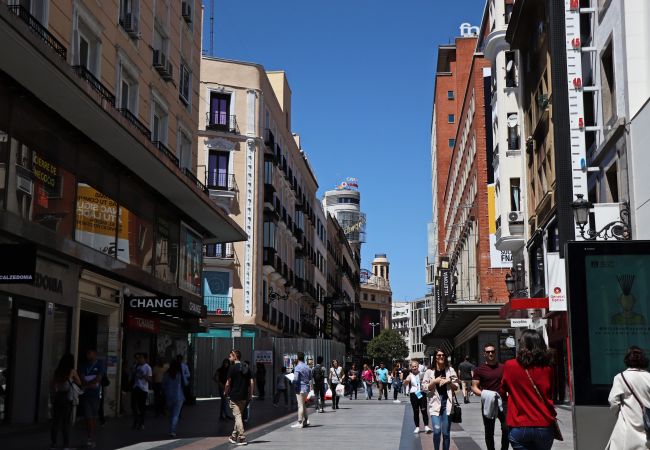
x,y
513,120
509,65
510,342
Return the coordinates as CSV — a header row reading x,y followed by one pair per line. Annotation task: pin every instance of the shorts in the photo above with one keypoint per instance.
x,y
89,405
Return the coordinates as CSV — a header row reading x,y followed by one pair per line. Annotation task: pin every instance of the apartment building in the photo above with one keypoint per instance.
x,y
469,289
98,109
256,170
376,299
421,322
400,320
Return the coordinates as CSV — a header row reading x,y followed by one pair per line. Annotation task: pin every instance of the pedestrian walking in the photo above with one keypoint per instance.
x,y
418,397
173,386
64,390
527,382
396,376
142,377
185,372
318,376
260,378
441,381
91,378
486,383
157,381
466,372
629,394
406,371
220,377
382,380
368,378
281,388
302,384
239,387
336,377
353,380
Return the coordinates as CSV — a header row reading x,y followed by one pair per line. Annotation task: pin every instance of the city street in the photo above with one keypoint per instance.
x,y
360,424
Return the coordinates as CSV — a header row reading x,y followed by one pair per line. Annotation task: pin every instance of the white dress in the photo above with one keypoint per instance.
x,y
629,433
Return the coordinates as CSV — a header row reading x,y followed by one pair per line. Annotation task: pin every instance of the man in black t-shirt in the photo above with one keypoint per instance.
x,y
239,387
487,377
466,370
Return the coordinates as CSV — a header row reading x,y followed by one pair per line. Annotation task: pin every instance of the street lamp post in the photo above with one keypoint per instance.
x,y
617,229
373,325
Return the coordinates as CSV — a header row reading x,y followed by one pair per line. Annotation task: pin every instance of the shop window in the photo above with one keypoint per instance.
x,y
191,260
96,224
167,246
138,248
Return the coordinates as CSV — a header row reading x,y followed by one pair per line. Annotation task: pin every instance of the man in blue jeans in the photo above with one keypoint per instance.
x,y
91,373
302,384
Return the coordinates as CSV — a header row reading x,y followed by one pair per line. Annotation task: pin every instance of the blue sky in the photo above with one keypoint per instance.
x,y
362,77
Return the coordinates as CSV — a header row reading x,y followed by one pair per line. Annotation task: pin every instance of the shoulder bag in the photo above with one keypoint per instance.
x,y
456,414
74,392
557,433
644,411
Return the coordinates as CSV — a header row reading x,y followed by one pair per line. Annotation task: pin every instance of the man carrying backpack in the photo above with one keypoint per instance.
x,y
318,378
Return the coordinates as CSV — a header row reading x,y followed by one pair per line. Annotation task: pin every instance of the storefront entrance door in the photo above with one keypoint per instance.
x,y
29,325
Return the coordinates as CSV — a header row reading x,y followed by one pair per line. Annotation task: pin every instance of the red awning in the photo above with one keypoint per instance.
x,y
510,309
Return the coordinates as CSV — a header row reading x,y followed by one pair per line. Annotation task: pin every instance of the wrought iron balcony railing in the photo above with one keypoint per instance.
x,y
218,305
188,173
217,121
167,152
221,181
94,83
133,120
39,29
223,251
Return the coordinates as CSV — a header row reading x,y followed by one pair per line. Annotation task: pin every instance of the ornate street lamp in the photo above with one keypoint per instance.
x,y
617,229
510,284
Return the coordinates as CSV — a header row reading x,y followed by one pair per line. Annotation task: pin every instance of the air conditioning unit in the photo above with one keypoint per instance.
x,y
515,217
159,60
168,72
186,11
130,24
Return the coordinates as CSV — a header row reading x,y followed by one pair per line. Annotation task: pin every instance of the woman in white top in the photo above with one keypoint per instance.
x,y
630,388
336,376
441,382
418,397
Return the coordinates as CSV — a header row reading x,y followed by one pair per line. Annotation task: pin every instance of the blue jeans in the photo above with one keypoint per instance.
x,y
368,386
531,438
441,426
174,411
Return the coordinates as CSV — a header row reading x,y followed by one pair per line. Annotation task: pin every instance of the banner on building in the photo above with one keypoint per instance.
x,y
499,259
557,300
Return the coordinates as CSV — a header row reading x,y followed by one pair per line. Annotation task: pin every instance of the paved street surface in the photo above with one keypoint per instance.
x,y
360,424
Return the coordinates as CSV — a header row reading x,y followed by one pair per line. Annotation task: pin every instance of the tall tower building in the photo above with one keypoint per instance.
x,y
344,203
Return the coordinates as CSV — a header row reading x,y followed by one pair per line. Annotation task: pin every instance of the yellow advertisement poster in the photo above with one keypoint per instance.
x,y
97,217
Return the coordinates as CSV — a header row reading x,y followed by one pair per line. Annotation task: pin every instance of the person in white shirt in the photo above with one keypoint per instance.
x,y
142,378
418,397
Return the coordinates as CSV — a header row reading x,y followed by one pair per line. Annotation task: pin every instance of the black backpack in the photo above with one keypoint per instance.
x,y
318,375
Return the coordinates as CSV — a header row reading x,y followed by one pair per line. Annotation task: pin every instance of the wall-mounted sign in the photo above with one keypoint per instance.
x,y
17,263
263,356
174,306
138,323
556,282
350,184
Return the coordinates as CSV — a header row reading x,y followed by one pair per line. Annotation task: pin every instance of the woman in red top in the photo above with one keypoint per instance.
x,y
527,382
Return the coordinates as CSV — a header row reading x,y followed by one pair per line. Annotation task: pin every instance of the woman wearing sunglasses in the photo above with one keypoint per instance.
x,y
441,381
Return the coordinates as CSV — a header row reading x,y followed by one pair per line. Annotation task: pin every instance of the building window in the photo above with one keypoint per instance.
x,y
515,194
219,111
99,233
450,95
608,88
451,118
129,13
191,261
218,170
159,122
269,235
511,70
451,143
612,184
185,150
513,131
88,48
128,91
185,84
167,246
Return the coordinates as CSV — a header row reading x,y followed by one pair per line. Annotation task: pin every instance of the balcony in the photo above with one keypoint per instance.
x,y
42,32
218,305
95,84
510,238
134,121
269,140
167,152
216,121
188,173
222,189
219,255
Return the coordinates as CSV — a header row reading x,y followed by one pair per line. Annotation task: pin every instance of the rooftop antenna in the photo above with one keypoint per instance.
x,y
212,29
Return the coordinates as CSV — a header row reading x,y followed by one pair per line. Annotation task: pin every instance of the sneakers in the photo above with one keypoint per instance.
x,y
296,425
306,423
241,441
232,440
417,430
396,401
427,429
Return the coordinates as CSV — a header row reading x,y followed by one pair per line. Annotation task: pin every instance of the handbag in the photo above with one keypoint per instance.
x,y
557,433
645,411
340,389
74,392
456,414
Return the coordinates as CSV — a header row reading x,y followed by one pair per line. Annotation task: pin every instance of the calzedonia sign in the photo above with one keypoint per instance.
x,y
174,306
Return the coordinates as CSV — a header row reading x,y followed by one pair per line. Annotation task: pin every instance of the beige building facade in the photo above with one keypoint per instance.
x,y
257,172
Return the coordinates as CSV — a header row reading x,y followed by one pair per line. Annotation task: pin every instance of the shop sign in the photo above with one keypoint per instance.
x,y
160,304
150,325
17,263
263,356
236,331
556,282
192,308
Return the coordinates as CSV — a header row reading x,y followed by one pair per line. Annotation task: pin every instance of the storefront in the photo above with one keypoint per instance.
x,y
36,329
